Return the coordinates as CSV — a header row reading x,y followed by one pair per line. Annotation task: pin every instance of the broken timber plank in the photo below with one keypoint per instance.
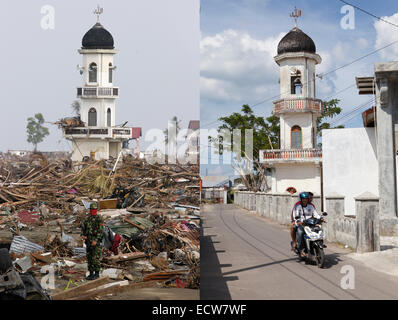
x,y
133,224
68,294
126,257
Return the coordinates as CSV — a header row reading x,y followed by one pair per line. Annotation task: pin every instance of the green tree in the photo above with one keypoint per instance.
x,y
265,132
330,110
35,130
265,135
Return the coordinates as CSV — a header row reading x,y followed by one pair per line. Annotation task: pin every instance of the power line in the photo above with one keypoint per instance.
x,y
358,59
321,76
352,111
369,13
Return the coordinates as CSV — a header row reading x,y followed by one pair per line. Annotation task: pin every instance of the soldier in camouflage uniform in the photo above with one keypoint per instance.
x,y
92,233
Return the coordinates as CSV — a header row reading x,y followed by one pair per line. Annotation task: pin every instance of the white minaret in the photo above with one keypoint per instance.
x,y
297,108
99,138
98,93
296,165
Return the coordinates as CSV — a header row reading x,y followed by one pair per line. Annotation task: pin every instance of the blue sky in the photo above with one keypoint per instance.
x,y
239,39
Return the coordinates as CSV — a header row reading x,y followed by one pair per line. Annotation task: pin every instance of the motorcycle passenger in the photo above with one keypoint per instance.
x,y
302,210
293,227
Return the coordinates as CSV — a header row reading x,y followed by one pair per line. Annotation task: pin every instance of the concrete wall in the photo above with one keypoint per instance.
x,y
218,194
302,176
84,147
302,119
350,164
306,67
102,60
360,232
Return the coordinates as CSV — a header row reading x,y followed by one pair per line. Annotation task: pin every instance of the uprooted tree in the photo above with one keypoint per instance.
x,y
35,130
265,136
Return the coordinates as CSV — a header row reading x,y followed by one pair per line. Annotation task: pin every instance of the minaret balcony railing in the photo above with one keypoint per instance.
x,y
98,132
298,105
290,155
97,92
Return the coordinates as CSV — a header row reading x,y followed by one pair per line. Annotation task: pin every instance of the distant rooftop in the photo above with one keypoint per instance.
x,y
194,125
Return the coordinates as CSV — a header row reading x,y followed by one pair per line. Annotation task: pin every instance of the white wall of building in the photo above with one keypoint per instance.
x,y
84,147
101,106
350,165
102,60
302,119
306,66
302,176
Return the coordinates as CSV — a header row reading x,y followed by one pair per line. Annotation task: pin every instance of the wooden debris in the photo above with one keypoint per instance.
x,y
125,257
70,293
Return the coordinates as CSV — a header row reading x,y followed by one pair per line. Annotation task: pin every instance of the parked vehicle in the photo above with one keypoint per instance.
x,y
313,241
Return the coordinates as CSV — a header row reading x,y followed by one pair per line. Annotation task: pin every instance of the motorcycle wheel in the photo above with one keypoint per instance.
x,y
319,257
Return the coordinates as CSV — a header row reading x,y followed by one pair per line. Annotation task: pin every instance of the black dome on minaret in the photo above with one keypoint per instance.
x,y
97,38
296,41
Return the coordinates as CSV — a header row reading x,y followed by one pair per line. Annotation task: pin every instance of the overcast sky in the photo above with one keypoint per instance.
x,y
157,64
239,39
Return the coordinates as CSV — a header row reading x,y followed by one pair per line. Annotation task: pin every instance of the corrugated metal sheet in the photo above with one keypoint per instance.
x,y
80,252
20,245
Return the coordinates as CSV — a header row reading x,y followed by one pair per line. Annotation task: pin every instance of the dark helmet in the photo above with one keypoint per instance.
x,y
93,205
304,195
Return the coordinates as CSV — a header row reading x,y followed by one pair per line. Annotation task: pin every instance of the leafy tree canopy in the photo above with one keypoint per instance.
x,y
35,130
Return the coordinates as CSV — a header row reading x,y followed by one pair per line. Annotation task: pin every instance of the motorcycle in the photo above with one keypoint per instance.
x,y
313,241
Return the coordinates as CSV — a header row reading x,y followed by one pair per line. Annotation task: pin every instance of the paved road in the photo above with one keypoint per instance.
x,y
244,256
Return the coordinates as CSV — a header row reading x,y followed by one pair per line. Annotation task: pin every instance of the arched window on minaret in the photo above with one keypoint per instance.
x,y
110,72
109,117
295,83
296,138
92,72
92,117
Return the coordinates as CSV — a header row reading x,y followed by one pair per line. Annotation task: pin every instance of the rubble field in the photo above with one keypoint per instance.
x,y
153,207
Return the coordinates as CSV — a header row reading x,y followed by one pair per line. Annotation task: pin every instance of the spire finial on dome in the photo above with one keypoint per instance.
x,y
295,14
98,12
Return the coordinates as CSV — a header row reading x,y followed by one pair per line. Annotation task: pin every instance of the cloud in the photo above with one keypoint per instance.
x,y
235,67
386,34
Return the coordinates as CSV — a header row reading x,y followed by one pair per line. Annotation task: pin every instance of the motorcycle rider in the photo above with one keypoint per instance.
x,y
302,210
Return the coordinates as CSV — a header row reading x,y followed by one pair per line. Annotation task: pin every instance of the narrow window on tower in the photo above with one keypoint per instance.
x,y
110,72
92,72
295,83
296,142
108,117
92,117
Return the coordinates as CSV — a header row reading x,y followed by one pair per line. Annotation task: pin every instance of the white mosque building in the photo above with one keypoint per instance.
x,y
100,138
298,162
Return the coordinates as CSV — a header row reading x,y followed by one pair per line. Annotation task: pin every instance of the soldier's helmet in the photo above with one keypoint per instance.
x,y
94,205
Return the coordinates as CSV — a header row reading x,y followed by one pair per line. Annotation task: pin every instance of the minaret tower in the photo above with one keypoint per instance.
x,y
296,165
297,108
100,138
98,93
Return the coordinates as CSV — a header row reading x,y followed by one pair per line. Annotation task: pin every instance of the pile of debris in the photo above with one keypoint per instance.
x,y
153,208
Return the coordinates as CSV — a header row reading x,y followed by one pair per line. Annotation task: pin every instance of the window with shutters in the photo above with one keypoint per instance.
x,y
92,117
109,117
296,138
92,72
110,72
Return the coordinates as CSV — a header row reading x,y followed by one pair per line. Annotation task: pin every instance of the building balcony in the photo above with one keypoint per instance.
x,y
298,105
97,92
98,132
290,155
